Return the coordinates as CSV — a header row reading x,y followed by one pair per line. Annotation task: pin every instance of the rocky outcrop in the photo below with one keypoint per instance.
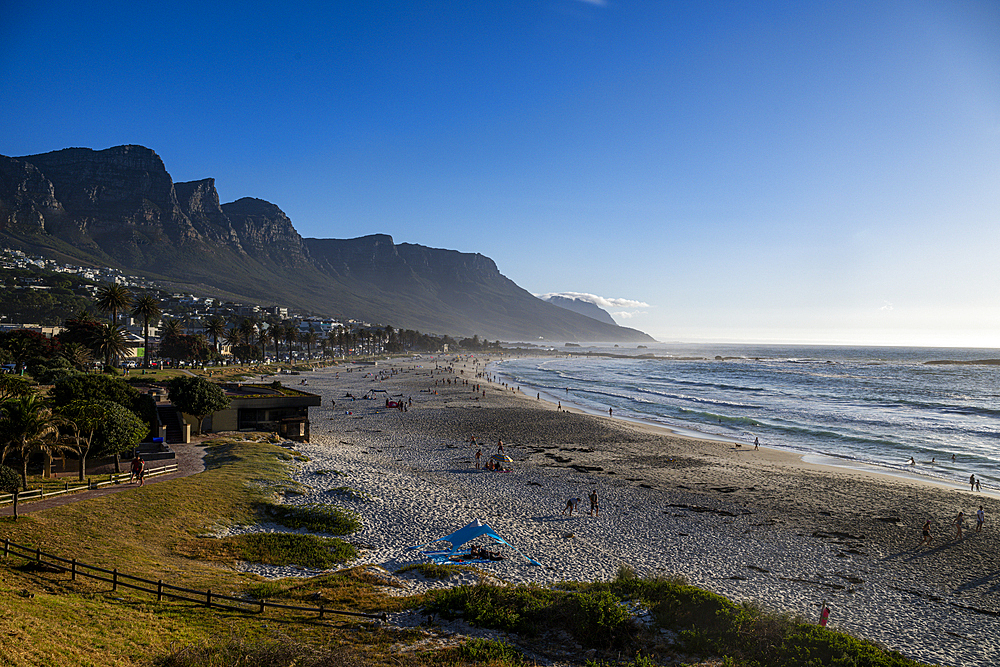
x,y
264,231
199,201
27,198
124,191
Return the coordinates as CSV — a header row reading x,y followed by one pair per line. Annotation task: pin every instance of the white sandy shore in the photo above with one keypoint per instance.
x,y
758,526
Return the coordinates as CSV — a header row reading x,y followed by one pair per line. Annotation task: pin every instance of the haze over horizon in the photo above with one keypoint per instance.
x,y
724,171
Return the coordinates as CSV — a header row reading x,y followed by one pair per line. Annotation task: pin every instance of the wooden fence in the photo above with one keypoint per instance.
x,y
162,590
113,478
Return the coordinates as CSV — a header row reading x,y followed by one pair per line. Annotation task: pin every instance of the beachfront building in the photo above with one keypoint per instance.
x,y
255,407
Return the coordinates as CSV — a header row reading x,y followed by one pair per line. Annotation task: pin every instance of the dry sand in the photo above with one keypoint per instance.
x,y
751,525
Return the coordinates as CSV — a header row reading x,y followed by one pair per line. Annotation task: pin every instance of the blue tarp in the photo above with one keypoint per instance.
x,y
470,532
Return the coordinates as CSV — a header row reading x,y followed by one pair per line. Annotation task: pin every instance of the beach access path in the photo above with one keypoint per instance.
x,y
188,457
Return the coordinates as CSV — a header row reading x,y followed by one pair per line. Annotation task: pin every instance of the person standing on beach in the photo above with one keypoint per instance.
x,y
594,505
611,412
499,446
479,455
756,444
972,482
980,519
926,533
958,525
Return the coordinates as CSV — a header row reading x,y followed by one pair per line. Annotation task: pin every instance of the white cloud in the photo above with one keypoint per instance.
x,y
603,302
624,314
886,306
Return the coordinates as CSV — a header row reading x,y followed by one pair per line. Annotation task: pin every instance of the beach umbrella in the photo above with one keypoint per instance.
x,y
502,458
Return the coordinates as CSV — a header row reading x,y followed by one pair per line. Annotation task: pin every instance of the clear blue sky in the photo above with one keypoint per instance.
x,y
747,171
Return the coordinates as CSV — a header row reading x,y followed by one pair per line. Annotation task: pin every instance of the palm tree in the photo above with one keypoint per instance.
x,y
171,329
291,336
147,308
215,327
113,298
26,426
309,339
111,342
78,356
234,338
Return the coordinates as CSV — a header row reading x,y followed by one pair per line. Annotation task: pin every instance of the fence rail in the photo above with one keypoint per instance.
x,y
113,478
163,590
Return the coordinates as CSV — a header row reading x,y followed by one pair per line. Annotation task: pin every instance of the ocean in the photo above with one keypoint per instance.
x,y
854,406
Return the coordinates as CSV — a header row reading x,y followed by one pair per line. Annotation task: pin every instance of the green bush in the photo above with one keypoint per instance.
x,y
315,518
487,650
293,549
433,570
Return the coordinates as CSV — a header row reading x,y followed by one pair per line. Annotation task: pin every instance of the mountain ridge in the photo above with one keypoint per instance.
x,y
119,207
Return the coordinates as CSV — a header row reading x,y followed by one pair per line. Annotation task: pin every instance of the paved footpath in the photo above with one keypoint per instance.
x,y
190,460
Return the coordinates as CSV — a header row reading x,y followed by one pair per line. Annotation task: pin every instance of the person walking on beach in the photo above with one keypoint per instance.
x,y
926,533
594,505
958,525
756,444
571,505
479,455
980,519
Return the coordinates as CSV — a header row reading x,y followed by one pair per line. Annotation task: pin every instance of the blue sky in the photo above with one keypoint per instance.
x,y
742,171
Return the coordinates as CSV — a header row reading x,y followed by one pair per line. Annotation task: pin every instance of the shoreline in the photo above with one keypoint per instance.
x,y
760,526
821,459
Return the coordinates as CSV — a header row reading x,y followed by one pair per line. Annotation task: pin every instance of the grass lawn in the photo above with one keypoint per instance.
x,y
47,619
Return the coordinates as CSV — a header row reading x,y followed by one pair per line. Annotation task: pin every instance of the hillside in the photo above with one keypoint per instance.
x,y
119,207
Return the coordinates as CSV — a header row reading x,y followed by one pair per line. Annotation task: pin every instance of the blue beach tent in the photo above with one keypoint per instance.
x,y
470,532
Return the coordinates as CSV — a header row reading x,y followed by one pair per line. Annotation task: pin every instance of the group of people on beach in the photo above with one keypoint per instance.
x,y
493,463
958,522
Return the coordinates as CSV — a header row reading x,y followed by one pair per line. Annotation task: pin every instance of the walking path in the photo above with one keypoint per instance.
x,y
190,460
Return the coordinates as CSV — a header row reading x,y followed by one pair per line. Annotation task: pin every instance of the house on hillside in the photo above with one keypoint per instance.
x,y
262,407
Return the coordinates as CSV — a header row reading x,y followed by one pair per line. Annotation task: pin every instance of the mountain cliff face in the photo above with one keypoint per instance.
x,y
119,207
580,306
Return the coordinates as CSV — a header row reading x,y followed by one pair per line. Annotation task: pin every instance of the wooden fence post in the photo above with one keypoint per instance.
x,y
72,570
321,612
208,598
6,547
114,579
159,590
38,555
261,607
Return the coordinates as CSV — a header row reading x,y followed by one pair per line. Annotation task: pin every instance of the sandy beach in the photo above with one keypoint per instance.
x,y
752,525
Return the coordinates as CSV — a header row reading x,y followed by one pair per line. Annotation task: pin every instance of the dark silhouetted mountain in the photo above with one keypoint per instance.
x,y
120,208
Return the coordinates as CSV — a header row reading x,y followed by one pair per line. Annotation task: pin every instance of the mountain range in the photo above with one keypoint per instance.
x,y
120,208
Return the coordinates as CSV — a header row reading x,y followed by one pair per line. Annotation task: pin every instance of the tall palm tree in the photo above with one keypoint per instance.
x,y
111,342
309,339
291,336
113,298
234,339
26,426
215,327
147,308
